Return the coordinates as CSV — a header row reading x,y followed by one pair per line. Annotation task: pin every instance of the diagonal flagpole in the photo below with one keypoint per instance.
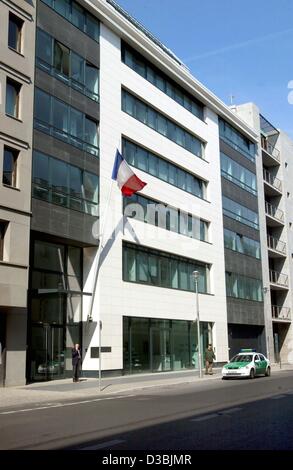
x,y
96,276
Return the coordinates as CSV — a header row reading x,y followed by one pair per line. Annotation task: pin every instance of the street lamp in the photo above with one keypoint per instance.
x,y
196,276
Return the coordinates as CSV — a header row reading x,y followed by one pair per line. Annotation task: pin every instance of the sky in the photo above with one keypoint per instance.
x,y
239,48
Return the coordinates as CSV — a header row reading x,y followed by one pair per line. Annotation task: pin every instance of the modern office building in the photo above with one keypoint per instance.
x,y
275,185
17,46
118,272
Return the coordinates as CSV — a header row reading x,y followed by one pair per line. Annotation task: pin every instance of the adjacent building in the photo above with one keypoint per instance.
x,y
85,264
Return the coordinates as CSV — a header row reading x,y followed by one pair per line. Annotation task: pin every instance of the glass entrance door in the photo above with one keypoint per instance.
x,y
47,361
161,354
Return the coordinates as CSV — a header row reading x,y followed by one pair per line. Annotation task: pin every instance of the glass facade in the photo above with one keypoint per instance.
x,y
239,175
77,15
162,169
164,216
148,71
66,123
163,125
240,213
157,345
236,140
60,183
55,309
241,287
64,64
157,268
237,242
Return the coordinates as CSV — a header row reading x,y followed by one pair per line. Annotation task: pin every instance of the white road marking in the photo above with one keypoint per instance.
x,y
103,445
206,417
61,405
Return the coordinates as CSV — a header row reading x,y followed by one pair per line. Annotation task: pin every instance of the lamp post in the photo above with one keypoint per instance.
x,y
196,276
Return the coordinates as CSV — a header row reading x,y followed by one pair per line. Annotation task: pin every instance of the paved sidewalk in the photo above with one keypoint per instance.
x,y
46,393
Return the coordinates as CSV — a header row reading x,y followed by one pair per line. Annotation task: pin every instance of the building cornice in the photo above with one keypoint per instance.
x,y
128,31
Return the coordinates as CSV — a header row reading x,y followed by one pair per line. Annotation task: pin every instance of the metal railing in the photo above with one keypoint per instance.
x,y
279,278
276,244
272,180
283,313
268,147
274,212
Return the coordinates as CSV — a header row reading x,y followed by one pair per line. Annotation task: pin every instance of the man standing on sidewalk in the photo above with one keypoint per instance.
x,y
76,362
209,358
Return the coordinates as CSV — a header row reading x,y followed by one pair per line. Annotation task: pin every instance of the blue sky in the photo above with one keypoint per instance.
x,y
234,47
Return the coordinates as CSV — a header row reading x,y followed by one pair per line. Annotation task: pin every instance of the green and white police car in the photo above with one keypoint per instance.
x,y
247,363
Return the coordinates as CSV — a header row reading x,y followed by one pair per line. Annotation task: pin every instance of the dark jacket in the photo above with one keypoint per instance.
x,y
209,355
76,356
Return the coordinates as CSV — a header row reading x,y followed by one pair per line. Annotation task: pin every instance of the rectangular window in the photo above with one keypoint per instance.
x,y
163,125
15,32
63,184
66,123
92,27
10,166
237,242
44,50
3,229
61,59
63,7
162,169
242,287
236,140
12,98
240,213
239,175
92,79
156,268
78,16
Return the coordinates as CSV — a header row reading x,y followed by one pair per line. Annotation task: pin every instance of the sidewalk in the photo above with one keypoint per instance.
x,y
46,393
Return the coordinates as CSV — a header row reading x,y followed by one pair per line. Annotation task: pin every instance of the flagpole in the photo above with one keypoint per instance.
x,y
96,275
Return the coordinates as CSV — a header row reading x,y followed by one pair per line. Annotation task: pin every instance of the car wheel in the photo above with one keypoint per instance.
x,y
224,378
252,374
268,372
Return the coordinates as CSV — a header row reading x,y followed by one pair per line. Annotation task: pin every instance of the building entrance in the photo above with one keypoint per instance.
x,y
48,354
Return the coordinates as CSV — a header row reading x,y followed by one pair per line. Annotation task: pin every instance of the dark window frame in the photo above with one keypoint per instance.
x,y
18,23
15,155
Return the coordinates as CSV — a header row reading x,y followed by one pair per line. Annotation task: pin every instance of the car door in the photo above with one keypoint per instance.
x,y
258,366
263,363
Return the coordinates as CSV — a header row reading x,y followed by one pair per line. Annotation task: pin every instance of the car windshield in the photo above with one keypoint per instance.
x,y
242,358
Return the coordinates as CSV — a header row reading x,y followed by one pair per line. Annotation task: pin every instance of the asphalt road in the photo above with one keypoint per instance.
x,y
235,414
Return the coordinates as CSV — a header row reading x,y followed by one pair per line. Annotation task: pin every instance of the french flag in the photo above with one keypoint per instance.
x,y
127,181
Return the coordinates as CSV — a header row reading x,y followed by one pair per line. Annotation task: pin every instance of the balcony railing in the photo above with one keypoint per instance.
x,y
276,244
268,147
282,313
278,278
272,180
274,212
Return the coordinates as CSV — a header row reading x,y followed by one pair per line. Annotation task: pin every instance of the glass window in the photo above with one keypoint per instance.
x,y
10,166
153,165
77,68
76,123
42,106
141,159
41,169
61,58
90,186
49,256
75,181
141,112
164,271
78,16
161,124
142,267
44,47
92,78
60,116
163,170
14,32
91,131
63,7
92,27
153,270
12,98
151,118
60,183
3,228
